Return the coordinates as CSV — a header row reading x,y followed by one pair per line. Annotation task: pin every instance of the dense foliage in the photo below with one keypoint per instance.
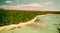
x,y
16,16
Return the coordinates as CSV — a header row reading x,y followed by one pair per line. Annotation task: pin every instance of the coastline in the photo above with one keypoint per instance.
x,y
12,26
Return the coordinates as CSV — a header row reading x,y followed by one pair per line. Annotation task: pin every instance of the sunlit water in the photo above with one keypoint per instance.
x,y
43,24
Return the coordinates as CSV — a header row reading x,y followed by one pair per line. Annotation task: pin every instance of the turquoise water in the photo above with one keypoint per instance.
x,y
43,24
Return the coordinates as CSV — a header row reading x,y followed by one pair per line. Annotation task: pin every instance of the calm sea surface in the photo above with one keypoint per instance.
x,y
43,24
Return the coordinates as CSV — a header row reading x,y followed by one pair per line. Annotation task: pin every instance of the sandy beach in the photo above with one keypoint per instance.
x,y
17,25
21,24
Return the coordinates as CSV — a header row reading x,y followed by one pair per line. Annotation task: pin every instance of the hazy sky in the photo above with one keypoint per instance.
x,y
31,4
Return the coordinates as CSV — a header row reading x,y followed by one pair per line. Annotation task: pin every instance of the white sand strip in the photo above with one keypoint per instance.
x,y
17,25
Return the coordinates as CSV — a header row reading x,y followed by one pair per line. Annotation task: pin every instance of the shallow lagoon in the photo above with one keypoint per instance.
x,y
44,24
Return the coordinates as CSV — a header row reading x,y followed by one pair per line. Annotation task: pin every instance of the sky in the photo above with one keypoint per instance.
x,y
47,5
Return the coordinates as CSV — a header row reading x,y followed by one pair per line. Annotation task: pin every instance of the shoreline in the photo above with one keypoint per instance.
x,y
12,26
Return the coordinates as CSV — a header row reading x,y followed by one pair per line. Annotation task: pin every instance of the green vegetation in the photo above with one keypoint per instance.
x,y
16,16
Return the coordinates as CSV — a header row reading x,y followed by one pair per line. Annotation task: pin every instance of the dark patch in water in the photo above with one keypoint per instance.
x,y
37,20
18,27
59,30
12,28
